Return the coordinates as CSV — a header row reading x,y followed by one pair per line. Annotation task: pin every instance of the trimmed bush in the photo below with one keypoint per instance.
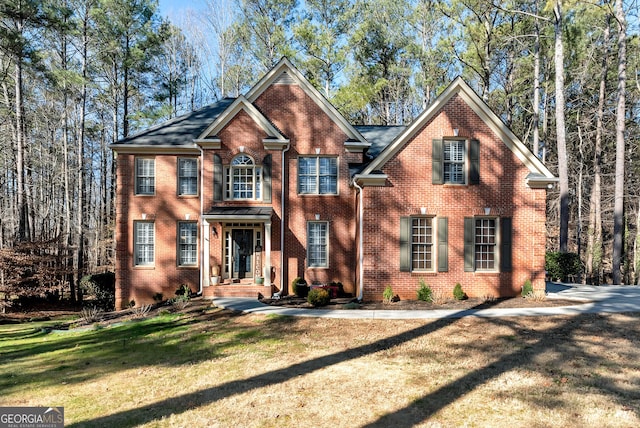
x,y
458,294
318,297
527,288
387,294
102,286
560,265
424,292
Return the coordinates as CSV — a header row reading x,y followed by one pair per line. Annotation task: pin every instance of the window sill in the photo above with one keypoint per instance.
x,y
151,267
188,267
487,272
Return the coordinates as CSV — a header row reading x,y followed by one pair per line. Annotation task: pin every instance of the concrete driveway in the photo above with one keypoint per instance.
x,y
598,299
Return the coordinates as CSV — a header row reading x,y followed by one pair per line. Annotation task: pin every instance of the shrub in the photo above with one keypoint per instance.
x,y
183,295
560,265
102,286
439,298
458,294
527,288
387,294
91,314
424,292
318,297
140,311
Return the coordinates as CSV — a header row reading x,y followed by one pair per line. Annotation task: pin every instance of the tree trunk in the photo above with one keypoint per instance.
x,y
618,209
560,128
594,243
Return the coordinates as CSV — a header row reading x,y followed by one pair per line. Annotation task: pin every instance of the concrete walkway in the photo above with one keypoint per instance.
x,y
600,299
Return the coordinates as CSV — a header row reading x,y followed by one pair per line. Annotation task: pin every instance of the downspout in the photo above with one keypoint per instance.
x,y
360,242
282,224
202,237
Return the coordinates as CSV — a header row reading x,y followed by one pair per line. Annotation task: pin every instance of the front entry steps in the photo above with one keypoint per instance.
x,y
228,289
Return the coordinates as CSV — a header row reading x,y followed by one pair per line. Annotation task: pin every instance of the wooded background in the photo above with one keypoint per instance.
x,y
77,75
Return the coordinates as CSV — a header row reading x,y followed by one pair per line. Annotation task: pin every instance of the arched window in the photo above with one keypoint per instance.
x,y
243,179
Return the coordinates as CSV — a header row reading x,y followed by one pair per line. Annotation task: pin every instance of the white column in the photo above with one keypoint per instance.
x,y
267,254
206,269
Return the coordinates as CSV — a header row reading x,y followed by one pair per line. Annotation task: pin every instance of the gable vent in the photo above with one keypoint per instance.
x,y
285,79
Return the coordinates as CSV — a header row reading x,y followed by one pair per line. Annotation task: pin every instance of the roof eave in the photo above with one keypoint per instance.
x,y
154,149
371,180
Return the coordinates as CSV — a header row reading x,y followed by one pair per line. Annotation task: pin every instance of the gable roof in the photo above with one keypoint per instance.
x,y
241,104
539,176
285,72
176,134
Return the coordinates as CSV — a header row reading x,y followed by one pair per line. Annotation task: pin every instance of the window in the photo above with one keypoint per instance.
x,y
318,244
187,176
144,243
454,157
244,179
145,176
421,243
455,161
488,244
485,244
318,175
187,243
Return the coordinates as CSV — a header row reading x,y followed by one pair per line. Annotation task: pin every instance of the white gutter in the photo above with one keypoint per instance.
x,y
282,227
202,237
360,242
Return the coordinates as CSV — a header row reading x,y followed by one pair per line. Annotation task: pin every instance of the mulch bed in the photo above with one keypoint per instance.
x,y
471,303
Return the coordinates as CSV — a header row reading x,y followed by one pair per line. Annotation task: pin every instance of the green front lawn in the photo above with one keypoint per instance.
x,y
211,367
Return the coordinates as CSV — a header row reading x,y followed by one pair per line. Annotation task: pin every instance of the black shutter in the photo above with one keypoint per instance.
x,y
469,244
474,162
443,244
505,244
405,244
217,178
437,173
266,178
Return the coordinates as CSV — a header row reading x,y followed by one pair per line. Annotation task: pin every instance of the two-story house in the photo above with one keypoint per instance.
x,y
277,184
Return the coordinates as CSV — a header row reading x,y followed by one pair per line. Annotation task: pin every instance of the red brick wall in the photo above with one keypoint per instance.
x,y
166,209
308,127
502,188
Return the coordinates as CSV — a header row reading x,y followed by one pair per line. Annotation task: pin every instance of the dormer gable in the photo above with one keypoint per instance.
x,y
284,73
539,175
209,138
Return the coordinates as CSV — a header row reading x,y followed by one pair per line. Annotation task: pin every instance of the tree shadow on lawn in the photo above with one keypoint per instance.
x,y
78,356
532,343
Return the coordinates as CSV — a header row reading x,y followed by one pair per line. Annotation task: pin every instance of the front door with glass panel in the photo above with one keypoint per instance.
x,y
242,253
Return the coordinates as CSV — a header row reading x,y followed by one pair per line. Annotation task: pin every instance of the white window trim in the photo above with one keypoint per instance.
x,y
179,245
137,177
433,244
180,177
496,245
465,162
136,244
326,249
256,177
317,192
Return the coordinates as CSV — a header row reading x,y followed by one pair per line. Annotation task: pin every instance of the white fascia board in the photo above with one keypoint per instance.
x,y
155,149
240,103
371,180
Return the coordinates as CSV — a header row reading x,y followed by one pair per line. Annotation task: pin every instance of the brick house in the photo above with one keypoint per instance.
x,y
276,184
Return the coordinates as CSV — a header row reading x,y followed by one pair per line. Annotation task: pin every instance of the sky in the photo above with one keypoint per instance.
x,y
174,9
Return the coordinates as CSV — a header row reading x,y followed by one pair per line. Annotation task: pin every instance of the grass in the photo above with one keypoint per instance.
x,y
216,368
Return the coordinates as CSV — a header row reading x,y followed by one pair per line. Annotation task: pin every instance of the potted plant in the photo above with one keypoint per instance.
x,y
300,287
215,274
259,280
